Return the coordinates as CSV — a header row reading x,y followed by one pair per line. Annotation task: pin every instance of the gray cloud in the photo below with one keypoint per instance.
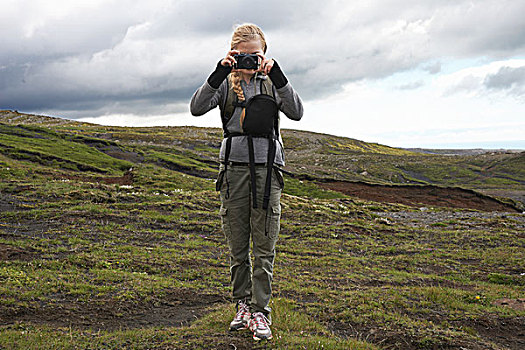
x,y
131,56
485,27
506,78
433,68
411,86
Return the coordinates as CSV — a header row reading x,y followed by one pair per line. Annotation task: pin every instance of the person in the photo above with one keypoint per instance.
x,y
249,182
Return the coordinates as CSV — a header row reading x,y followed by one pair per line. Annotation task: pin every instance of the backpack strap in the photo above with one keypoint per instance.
x,y
267,88
269,168
228,107
251,154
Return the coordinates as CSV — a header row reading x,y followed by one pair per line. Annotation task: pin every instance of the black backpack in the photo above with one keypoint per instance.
x,y
232,101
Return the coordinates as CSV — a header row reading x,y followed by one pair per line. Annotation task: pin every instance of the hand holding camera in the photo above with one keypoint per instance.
x,y
255,61
266,65
229,60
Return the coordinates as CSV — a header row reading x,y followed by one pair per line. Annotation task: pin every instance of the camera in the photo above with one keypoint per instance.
x,y
246,61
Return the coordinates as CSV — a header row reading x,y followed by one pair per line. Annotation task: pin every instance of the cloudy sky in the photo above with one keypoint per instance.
x,y
406,73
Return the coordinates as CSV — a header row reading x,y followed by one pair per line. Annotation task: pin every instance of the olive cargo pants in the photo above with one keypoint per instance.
x,y
240,222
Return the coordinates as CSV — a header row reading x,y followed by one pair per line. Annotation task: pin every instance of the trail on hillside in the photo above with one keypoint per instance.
x,y
416,195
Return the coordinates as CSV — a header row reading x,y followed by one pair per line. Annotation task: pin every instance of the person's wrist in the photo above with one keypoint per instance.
x,y
217,77
223,67
277,76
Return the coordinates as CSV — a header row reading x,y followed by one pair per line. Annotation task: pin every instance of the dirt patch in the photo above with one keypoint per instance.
x,y
179,308
504,333
8,252
241,340
451,197
116,151
516,304
508,332
375,334
516,195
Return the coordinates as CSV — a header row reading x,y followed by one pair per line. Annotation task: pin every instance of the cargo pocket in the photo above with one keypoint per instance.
x,y
220,180
223,212
279,177
273,221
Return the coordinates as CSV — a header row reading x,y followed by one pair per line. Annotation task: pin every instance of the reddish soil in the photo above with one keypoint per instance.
x,y
413,195
516,304
179,308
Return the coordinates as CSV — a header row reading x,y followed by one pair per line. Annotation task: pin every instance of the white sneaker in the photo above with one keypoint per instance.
x,y
260,326
241,319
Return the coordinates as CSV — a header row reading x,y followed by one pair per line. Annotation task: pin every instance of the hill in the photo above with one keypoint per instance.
x,y
110,238
311,157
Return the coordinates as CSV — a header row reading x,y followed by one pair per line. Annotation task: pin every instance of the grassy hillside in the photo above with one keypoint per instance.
x,y
309,153
110,239
350,159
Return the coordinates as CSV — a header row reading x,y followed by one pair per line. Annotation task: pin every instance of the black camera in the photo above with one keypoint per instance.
x,y
246,61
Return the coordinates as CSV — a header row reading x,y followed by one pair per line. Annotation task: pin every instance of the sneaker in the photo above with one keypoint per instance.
x,y
240,321
260,326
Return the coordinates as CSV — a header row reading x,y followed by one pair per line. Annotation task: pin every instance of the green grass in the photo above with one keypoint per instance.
x,y
81,254
304,188
56,150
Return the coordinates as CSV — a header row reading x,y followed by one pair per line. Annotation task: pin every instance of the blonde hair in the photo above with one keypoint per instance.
x,y
243,33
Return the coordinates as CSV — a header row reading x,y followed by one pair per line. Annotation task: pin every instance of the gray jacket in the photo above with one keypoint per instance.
x,y
206,98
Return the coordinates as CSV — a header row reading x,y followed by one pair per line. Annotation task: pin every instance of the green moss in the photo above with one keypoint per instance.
x,y
308,189
49,148
348,273
500,278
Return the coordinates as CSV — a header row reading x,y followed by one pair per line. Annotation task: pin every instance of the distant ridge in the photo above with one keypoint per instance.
x,y
462,151
311,156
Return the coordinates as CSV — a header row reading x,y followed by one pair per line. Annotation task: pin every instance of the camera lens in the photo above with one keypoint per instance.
x,y
251,62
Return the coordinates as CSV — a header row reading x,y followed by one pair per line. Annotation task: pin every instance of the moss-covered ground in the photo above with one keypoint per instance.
x,y
110,239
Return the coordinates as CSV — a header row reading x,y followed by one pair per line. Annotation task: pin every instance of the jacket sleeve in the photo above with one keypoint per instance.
x,y
204,99
287,98
289,102
209,94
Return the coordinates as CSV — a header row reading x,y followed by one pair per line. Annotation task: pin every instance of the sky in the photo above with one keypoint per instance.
x,y
404,73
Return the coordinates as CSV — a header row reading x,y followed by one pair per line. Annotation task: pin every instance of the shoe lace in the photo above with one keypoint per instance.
x,y
242,310
260,320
